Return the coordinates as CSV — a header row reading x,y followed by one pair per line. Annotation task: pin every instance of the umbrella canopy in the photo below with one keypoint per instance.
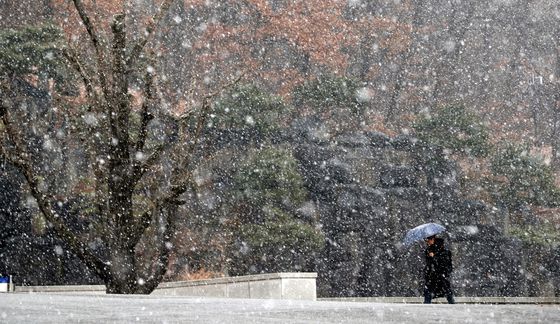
x,y
421,232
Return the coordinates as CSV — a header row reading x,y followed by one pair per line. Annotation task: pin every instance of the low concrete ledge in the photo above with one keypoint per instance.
x,y
296,285
293,285
458,300
99,289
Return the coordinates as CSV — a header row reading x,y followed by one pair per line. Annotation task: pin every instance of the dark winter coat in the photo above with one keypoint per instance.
x,y
437,271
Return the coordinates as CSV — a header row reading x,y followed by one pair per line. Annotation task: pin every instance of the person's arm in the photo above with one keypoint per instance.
x,y
428,261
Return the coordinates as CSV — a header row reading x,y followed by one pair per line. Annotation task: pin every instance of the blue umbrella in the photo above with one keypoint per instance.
x,y
421,232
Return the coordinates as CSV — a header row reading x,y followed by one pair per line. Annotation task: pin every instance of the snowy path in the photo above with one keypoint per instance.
x,y
80,308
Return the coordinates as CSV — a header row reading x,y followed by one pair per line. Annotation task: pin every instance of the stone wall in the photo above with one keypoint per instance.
x,y
370,188
300,286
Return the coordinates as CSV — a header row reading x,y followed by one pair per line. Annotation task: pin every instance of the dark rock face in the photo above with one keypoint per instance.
x,y
370,189
399,176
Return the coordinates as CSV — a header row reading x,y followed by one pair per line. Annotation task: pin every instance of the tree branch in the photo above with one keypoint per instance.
x,y
146,116
183,185
43,201
72,58
140,167
89,26
97,44
164,248
120,85
142,225
150,28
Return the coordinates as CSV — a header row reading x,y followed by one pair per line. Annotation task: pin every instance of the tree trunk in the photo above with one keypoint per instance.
x,y
122,278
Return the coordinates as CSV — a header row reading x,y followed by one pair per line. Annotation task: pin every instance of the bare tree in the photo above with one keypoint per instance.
x,y
129,208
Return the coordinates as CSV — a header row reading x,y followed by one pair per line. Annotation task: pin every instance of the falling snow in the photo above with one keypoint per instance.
x,y
250,137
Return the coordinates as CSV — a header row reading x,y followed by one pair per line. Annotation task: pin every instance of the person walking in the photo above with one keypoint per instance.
x,y
437,271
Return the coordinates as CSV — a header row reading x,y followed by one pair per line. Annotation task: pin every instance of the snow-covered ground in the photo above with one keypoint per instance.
x,y
80,308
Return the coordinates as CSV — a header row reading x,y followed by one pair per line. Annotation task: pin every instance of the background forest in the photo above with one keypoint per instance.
x,y
351,122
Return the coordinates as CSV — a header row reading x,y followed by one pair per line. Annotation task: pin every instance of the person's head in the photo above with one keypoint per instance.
x,y
431,240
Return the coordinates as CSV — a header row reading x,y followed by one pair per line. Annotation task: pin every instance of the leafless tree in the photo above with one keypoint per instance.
x,y
130,210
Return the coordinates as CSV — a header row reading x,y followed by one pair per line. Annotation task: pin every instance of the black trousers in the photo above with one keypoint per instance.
x,y
429,295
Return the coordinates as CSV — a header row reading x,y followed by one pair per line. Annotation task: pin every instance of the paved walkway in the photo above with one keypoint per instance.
x,y
80,308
